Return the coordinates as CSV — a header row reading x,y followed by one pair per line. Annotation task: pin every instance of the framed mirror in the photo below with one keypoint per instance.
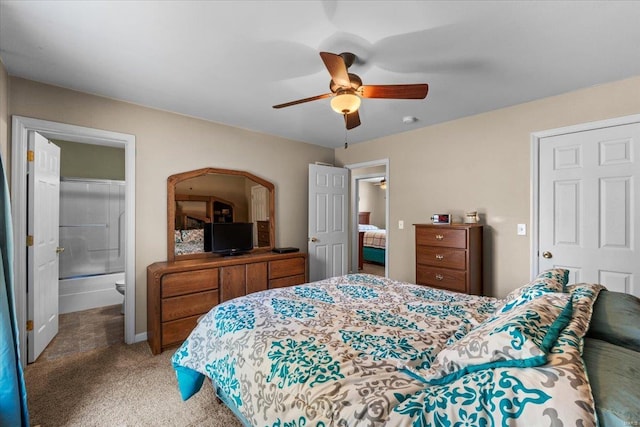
x,y
204,196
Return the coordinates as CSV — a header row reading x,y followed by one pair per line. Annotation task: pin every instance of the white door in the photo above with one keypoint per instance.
x,y
589,206
328,221
42,255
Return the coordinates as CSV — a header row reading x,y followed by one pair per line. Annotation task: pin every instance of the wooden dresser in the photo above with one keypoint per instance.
x,y
449,257
179,292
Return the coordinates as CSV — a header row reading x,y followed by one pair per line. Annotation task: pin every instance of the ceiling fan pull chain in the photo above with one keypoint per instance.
x,y
346,144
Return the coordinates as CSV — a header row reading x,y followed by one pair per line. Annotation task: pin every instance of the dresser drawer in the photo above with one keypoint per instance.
x,y
286,267
287,281
445,237
442,257
263,226
443,278
188,305
186,282
177,331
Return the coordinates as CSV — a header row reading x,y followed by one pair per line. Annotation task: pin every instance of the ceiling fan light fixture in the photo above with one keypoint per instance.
x,y
345,102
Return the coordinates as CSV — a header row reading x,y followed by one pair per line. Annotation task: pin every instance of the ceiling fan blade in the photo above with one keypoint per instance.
x,y
352,120
337,68
301,101
414,91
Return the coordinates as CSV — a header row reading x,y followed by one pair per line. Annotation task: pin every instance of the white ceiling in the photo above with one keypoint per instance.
x,y
230,61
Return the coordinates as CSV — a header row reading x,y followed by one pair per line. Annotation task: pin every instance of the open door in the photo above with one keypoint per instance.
x,y
43,250
328,222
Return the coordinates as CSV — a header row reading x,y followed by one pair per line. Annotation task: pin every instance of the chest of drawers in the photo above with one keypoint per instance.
x,y
449,257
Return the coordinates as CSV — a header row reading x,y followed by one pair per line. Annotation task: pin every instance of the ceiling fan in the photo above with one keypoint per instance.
x,y
347,89
382,184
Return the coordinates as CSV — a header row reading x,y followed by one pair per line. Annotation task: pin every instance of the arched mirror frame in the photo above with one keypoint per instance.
x,y
171,208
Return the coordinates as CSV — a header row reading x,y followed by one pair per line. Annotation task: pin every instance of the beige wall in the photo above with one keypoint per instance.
x,y
90,161
4,116
169,143
480,162
372,199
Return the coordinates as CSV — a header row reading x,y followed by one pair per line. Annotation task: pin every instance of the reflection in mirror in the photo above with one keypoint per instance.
x,y
210,195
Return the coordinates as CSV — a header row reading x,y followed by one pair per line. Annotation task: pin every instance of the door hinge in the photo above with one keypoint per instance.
x,y
29,240
31,155
29,325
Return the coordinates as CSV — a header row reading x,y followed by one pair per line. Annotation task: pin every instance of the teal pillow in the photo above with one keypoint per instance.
x,y
613,374
521,337
616,319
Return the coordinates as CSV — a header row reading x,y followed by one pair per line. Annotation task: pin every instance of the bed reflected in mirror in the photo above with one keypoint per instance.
x,y
209,195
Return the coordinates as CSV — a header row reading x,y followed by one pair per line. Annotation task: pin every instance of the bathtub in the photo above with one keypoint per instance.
x,y
83,293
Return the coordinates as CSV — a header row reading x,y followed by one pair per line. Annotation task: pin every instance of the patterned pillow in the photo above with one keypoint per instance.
x,y
560,275
553,280
193,236
521,337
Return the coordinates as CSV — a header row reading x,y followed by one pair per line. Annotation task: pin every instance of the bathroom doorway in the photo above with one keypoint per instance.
x,y
21,127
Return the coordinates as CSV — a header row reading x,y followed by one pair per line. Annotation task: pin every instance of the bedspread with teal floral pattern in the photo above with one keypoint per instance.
x,y
356,350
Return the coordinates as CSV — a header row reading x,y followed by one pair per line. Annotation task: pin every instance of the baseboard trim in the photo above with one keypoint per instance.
x,y
140,337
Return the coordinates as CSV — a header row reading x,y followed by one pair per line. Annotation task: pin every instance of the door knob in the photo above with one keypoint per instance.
x,y
59,250
313,239
547,254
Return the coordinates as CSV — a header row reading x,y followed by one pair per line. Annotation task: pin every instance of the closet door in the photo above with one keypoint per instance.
x,y
589,206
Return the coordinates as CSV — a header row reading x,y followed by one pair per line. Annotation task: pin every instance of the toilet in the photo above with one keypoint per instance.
x,y
120,288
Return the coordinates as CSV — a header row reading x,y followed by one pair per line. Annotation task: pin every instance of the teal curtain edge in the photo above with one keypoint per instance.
x,y
13,390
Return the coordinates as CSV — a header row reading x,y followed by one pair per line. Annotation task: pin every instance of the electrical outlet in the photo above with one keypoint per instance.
x,y
522,229
401,224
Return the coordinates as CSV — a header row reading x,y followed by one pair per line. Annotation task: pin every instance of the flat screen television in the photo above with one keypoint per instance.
x,y
228,238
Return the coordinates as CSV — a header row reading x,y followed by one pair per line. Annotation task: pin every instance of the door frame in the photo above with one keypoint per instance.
x,y
536,140
354,210
20,126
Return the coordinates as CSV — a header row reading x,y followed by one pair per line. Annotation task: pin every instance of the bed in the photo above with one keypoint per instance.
x,y
372,241
363,350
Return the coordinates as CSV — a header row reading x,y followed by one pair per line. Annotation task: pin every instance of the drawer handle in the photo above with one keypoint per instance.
x,y
439,257
439,237
439,277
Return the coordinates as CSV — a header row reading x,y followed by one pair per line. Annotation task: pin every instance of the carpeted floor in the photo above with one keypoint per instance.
x,y
119,385
370,268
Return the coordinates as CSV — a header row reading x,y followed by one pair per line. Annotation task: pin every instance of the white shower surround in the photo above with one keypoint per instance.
x,y
92,233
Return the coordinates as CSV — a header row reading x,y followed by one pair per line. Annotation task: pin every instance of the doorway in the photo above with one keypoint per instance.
x,y
21,127
373,171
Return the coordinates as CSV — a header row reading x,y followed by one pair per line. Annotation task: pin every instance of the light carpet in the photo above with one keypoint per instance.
x,y
119,385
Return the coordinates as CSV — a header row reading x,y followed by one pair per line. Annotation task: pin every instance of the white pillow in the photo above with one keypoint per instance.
x,y
367,227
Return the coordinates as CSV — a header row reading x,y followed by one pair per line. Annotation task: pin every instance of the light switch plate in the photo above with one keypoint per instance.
x,y
401,224
522,229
